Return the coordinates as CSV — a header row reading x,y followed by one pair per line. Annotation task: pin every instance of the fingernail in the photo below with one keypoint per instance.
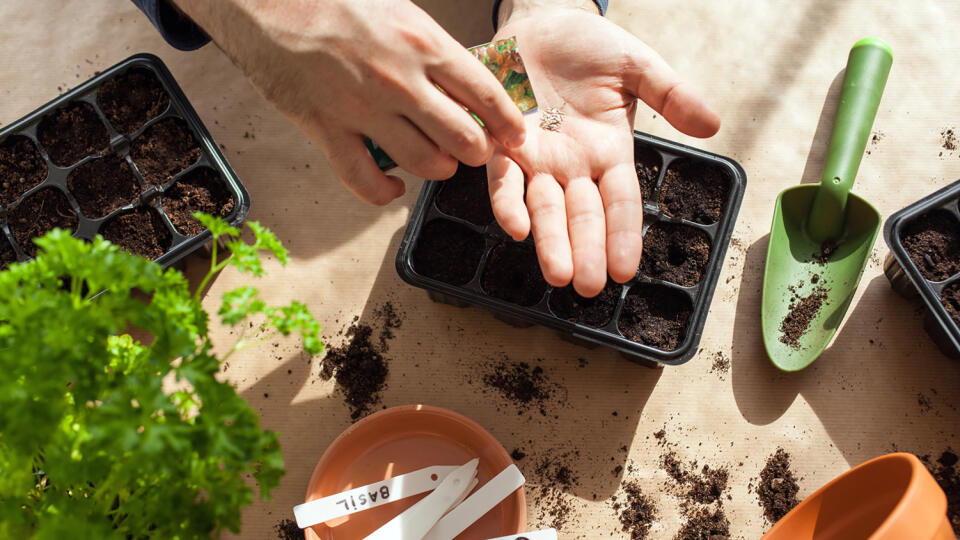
x,y
517,140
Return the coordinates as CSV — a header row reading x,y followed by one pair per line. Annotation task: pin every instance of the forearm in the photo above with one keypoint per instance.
x,y
509,9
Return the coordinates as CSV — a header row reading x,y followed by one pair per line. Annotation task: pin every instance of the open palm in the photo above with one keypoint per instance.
x,y
583,202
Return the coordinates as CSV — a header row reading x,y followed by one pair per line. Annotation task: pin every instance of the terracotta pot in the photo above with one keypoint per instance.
x,y
403,439
891,497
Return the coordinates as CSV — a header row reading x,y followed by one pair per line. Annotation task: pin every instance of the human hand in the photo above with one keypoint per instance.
x,y
583,201
345,69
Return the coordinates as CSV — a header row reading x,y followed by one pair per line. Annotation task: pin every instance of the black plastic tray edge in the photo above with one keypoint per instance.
x,y
185,109
948,339
633,350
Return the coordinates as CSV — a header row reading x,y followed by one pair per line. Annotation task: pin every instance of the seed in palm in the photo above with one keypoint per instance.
x,y
551,118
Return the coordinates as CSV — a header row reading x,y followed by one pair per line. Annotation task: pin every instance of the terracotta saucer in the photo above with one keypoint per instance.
x,y
403,439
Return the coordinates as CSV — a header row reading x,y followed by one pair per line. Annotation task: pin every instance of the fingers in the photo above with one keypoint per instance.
x,y
352,162
585,223
655,82
548,220
623,211
451,127
413,151
505,182
469,82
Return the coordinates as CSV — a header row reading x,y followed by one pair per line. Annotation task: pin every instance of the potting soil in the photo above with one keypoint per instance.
x,y
637,513
778,487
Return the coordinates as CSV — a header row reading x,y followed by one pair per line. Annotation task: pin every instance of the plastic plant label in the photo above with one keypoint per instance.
x,y
544,534
370,496
476,505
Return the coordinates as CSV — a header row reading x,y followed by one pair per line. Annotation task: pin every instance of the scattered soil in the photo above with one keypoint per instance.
x,y
948,139
141,232
933,243
778,487
802,312
287,529
512,273
465,195
39,214
704,524
950,298
523,385
448,252
358,365
72,132
637,513
675,253
517,454
595,312
648,163
7,254
944,470
200,190
555,480
21,168
655,316
103,185
130,99
695,191
705,487
721,364
827,249
163,150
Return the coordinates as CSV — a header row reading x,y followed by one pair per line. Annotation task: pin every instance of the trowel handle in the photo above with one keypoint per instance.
x,y
867,69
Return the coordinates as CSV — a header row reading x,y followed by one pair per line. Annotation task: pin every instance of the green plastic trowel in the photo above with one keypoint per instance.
x,y
822,234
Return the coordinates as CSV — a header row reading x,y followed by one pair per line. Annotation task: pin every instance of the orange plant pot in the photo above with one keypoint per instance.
x,y
403,439
892,497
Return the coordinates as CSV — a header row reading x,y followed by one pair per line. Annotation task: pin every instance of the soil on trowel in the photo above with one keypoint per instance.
x,y
637,513
7,254
655,315
163,150
39,214
512,273
704,523
933,243
103,185
802,312
778,487
465,195
141,232
595,312
647,162
525,386
287,529
944,470
72,132
201,190
675,253
358,365
695,191
129,100
827,249
448,252
21,168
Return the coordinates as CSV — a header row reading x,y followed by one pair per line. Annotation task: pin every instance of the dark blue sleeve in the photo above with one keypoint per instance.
x,y
175,27
602,4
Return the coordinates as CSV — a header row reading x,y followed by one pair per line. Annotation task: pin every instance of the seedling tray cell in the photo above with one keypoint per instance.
x,y
924,261
123,155
454,250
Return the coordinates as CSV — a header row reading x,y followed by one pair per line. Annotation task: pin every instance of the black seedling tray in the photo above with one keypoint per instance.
x,y
698,296
120,144
906,277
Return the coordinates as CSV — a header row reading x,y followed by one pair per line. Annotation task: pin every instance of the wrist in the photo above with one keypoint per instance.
x,y
511,10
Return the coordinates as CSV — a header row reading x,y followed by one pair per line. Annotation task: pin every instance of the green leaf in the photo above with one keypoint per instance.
x,y
218,227
265,239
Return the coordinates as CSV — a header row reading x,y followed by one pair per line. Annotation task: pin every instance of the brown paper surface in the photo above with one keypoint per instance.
x,y
771,70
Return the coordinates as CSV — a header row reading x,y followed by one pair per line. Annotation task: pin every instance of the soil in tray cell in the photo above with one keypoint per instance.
x,y
71,133
21,168
448,252
695,191
656,316
129,100
933,243
164,149
596,312
648,170
7,255
512,273
950,298
202,190
103,185
141,232
465,195
38,214
675,253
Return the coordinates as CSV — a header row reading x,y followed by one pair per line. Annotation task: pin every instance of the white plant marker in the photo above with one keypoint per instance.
x,y
475,506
